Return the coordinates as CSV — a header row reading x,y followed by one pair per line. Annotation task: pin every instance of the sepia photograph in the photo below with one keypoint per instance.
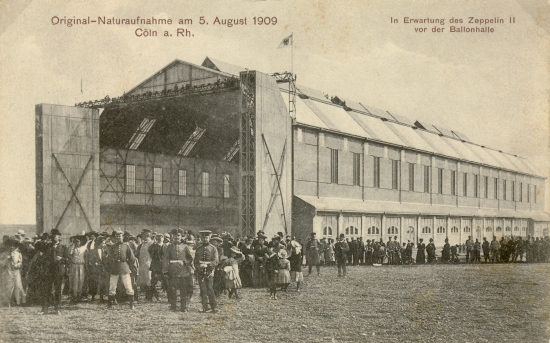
x,y
274,171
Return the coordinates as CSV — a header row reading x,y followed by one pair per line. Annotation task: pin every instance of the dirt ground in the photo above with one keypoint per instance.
x,y
429,303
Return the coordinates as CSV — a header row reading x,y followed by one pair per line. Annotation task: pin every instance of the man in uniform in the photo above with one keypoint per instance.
x,y
118,259
469,250
352,256
206,260
430,250
361,250
494,249
409,250
341,250
477,251
369,253
156,251
178,269
486,248
397,251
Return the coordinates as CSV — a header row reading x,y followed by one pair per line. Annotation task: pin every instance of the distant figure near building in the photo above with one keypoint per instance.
x,y
421,253
341,250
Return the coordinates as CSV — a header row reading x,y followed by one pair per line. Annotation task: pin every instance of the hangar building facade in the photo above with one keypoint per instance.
x,y
217,146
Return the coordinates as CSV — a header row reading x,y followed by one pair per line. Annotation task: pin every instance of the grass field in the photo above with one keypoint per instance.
x,y
429,303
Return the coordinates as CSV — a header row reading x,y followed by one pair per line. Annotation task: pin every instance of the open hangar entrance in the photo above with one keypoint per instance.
x,y
189,147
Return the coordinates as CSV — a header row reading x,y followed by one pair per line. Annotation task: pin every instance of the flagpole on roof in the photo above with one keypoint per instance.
x,y
292,55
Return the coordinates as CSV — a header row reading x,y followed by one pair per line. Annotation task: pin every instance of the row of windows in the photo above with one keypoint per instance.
x,y
426,176
392,230
507,229
182,182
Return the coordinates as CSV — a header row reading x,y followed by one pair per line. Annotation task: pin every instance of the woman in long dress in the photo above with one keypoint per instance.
x,y
231,269
12,274
421,253
144,258
329,252
296,258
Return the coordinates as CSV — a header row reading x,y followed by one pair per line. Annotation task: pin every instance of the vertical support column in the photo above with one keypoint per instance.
x,y
434,227
247,152
320,142
461,229
479,186
363,224
514,197
499,189
447,228
340,228
457,176
401,166
401,229
317,224
418,229
432,160
364,168
383,225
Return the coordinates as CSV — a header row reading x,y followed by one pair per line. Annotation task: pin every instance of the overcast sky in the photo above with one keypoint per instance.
x,y
493,87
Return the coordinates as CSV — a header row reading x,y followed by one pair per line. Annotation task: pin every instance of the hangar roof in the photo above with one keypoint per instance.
x,y
346,116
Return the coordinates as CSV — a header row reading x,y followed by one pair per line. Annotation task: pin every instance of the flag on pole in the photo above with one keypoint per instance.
x,y
285,42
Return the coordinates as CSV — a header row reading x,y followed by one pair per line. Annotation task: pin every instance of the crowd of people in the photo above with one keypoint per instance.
x,y
119,267
373,252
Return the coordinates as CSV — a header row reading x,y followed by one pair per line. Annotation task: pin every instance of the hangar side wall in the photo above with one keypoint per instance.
x,y
273,140
408,186
67,169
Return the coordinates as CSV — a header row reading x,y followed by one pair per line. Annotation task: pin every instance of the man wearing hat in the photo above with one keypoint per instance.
x,y
178,269
260,250
117,262
313,249
206,260
78,254
341,249
98,278
247,265
60,253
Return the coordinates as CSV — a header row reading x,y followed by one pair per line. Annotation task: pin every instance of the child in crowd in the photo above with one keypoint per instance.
x,y
231,269
283,277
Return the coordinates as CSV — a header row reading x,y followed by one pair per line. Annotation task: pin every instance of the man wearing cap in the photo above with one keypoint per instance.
x,y
341,249
117,262
206,260
156,251
219,280
177,267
